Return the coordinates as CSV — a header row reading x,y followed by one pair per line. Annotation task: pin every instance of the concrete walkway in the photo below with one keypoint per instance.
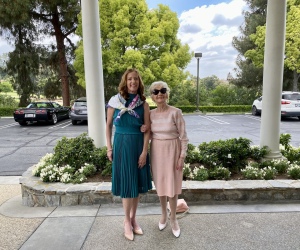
x,y
223,226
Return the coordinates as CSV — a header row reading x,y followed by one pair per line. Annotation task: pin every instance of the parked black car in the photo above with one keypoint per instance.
x,y
49,112
79,111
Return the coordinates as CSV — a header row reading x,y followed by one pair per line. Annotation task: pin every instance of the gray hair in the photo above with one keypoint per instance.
x,y
159,84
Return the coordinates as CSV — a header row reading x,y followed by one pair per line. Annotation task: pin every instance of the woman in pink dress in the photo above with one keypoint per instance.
x,y
168,151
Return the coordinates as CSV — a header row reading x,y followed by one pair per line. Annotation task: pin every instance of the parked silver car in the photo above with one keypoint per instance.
x,y
79,111
290,104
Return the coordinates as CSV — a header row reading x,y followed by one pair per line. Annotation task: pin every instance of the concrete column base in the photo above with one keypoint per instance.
x,y
274,155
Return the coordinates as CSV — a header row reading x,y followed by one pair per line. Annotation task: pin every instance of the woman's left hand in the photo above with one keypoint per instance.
x,y
180,163
144,128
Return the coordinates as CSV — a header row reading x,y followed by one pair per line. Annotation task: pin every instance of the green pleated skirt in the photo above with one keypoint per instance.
x,y
128,180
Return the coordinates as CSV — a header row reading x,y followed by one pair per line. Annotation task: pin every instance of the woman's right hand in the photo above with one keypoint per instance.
x,y
109,155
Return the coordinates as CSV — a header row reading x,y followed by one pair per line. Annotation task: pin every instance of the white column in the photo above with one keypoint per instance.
x,y
273,76
93,71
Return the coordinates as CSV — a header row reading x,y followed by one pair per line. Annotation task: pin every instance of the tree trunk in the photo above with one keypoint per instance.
x,y
295,81
62,60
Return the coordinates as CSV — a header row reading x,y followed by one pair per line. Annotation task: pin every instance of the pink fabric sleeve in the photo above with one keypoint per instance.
x,y
180,124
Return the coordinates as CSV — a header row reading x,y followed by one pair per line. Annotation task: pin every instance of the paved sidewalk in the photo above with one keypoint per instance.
x,y
234,226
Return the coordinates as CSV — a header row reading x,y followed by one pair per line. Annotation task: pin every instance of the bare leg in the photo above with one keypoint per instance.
x,y
135,202
127,205
164,212
173,205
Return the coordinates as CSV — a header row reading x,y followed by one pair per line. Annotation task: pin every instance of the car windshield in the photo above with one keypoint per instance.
x,y
32,105
294,96
77,104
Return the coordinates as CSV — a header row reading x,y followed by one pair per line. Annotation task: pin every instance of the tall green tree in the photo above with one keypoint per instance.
x,y
248,74
23,64
210,82
134,36
55,18
292,43
229,94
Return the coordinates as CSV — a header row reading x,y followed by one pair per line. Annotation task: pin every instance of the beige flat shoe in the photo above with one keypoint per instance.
x,y
128,236
138,231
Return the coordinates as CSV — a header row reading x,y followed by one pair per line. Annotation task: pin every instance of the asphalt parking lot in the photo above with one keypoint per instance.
x,y
22,146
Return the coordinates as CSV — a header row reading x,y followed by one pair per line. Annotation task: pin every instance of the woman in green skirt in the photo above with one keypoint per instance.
x,y
131,175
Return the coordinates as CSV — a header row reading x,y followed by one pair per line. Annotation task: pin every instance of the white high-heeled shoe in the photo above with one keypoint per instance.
x,y
176,233
162,226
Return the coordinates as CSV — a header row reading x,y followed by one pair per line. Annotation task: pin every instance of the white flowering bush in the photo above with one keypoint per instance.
x,y
53,173
186,170
232,154
199,174
281,165
256,173
294,171
64,174
252,173
44,161
73,161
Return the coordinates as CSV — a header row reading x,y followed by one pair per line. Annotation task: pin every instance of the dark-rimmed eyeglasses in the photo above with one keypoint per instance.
x,y
156,91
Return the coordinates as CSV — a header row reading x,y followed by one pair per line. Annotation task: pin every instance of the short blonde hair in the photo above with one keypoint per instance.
x,y
159,84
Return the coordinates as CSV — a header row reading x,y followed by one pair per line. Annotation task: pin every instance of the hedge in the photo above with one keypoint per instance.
x,y
185,109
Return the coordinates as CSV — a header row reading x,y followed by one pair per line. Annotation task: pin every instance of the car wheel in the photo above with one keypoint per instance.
x,y
23,123
254,111
54,119
74,122
299,117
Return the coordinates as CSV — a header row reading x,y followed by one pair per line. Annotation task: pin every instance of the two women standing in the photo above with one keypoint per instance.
x,y
131,175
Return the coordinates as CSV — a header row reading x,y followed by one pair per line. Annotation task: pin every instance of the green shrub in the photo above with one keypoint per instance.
x,y
74,152
219,173
232,153
269,173
77,158
73,161
192,154
292,154
8,101
284,140
107,171
200,174
294,171
281,165
99,158
7,111
257,153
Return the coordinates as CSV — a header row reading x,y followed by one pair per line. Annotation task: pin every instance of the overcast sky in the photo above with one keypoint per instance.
x,y
207,26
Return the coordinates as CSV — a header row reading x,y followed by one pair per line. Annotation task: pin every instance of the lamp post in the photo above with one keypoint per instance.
x,y
198,56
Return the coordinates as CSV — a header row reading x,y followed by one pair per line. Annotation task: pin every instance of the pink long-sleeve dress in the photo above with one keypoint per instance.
x,y
168,142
